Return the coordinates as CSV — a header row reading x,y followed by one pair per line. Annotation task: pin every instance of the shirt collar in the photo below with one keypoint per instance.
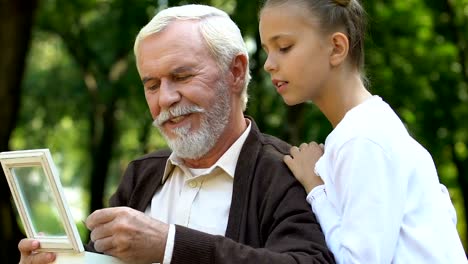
x,y
227,161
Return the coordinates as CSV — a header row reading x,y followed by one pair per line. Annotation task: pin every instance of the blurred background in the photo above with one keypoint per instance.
x,y
68,82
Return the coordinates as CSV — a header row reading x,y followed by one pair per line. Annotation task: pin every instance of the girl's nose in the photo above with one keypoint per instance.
x,y
270,65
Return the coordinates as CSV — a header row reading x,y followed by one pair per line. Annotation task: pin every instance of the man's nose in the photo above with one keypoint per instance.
x,y
168,94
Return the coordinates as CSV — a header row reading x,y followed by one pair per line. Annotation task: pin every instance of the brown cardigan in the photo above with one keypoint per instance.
x,y
269,220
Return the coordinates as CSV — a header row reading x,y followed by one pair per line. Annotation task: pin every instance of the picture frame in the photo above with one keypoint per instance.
x,y
43,209
38,195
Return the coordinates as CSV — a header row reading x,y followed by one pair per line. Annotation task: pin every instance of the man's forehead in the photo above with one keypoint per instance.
x,y
179,34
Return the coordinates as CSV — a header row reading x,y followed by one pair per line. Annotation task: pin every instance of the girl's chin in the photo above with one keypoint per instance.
x,y
290,100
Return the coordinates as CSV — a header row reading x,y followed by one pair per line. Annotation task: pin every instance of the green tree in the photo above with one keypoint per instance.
x,y
83,99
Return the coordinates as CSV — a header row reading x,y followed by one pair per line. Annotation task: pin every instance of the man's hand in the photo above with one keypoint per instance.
x,y
128,234
28,247
302,164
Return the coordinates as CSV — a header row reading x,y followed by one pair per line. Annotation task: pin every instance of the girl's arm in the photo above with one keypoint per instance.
x,y
361,206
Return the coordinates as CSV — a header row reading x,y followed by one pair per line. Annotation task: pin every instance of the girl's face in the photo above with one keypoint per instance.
x,y
298,52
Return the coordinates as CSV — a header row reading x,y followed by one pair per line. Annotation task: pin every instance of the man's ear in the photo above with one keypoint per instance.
x,y
238,70
340,48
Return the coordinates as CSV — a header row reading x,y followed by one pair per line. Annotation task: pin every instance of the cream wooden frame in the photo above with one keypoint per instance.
x,y
41,157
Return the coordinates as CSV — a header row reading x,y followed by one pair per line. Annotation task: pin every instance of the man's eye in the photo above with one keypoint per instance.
x,y
182,77
152,88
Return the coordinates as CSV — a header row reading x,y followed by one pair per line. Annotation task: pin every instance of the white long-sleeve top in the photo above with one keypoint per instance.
x,y
381,201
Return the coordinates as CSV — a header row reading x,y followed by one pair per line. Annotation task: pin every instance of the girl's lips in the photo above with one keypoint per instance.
x,y
281,86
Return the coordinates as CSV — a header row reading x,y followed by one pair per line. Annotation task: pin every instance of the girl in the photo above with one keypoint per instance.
x,y
374,189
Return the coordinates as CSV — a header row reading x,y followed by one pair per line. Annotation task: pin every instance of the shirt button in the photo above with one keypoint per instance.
x,y
192,184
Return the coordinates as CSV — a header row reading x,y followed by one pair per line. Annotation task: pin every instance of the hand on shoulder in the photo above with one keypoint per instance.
x,y
301,162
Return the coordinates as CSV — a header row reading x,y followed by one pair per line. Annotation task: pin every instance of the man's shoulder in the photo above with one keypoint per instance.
x,y
266,142
145,167
150,160
272,181
266,153
269,162
162,155
275,143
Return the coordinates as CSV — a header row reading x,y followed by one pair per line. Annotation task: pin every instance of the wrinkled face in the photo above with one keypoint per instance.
x,y
297,52
185,90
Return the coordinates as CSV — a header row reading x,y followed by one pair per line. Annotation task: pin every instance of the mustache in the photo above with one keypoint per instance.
x,y
175,111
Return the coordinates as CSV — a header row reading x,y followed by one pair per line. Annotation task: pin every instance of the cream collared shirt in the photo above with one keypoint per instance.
x,y
196,198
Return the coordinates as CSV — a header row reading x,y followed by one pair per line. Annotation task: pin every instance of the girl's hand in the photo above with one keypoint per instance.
x,y
29,255
302,164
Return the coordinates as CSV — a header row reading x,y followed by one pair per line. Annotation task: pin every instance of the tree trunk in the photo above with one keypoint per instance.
x,y
16,19
102,153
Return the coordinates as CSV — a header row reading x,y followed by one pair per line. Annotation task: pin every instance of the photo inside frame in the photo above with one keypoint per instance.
x,y
38,198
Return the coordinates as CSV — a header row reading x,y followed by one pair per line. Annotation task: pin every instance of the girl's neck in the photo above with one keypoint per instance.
x,y
342,94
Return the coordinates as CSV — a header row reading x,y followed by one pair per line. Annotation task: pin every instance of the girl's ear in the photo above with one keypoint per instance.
x,y
238,70
340,49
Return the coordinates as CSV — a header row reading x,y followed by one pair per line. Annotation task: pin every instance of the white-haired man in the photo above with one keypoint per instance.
x,y
223,194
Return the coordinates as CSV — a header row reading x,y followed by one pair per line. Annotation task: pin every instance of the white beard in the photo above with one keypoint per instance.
x,y
195,144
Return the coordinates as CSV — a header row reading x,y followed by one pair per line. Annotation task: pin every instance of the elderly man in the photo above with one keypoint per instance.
x,y
223,195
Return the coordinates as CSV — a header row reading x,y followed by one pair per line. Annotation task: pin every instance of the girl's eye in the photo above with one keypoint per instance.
x,y
285,49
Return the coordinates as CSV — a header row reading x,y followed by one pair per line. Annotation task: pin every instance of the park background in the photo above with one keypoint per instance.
x,y
68,82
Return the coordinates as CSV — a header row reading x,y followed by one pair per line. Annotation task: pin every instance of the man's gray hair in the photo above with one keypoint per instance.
x,y
221,34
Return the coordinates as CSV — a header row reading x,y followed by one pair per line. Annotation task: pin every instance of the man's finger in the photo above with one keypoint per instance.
x,y
101,231
104,245
100,217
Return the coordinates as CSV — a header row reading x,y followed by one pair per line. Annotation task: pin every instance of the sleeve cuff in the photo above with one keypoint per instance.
x,y
169,245
315,195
